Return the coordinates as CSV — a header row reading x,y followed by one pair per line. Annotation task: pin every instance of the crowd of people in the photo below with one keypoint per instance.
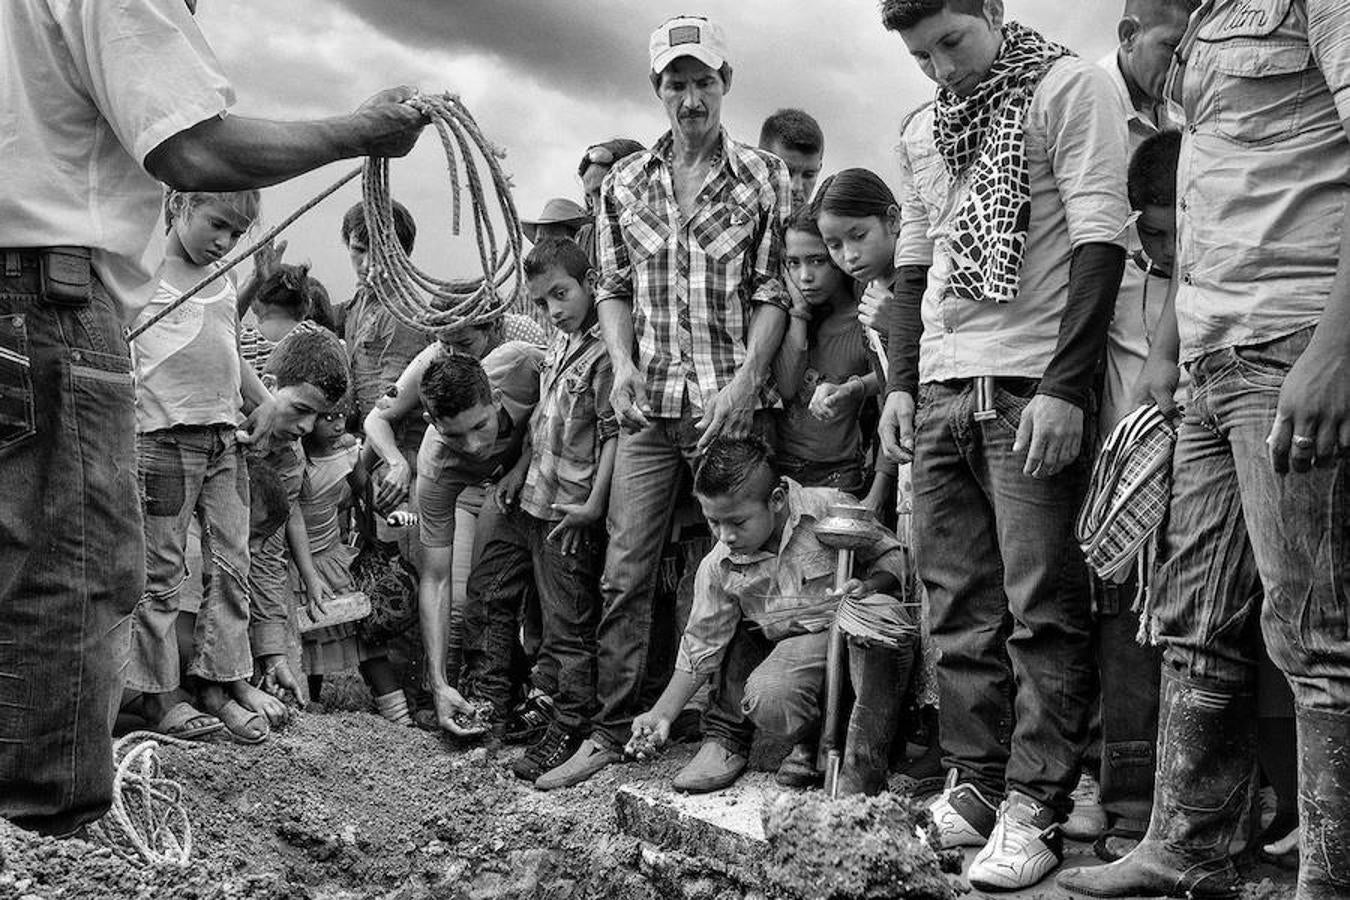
x,y
599,523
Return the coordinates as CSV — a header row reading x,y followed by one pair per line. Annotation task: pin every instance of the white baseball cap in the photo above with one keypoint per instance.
x,y
693,36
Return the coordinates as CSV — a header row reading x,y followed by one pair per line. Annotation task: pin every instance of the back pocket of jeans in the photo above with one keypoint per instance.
x,y
17,419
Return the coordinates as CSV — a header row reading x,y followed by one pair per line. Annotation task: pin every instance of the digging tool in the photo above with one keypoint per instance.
x,y
846,527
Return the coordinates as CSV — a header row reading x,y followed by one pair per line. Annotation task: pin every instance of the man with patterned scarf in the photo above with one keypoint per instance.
x,y
1010,255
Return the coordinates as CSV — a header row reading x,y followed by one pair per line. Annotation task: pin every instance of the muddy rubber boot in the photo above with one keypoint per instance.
x,y
879,676
1206,751
1323,803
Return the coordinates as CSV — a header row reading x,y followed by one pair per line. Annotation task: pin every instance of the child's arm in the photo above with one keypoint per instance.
x,y
652,728
578,516
396,483
298,540
882,491
790,362
507,490
1157,383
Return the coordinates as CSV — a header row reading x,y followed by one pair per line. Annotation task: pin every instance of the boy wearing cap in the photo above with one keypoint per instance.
x,y
688,247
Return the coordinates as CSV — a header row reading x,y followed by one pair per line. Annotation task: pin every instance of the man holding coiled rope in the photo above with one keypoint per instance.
x,y
102,102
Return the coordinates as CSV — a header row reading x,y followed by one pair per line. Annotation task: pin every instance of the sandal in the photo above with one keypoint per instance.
x,y
177,719
246,726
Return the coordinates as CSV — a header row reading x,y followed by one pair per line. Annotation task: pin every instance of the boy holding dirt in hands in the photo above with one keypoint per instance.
x,y
763,606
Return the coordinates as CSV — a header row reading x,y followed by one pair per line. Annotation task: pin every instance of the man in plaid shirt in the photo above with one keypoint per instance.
x,y
688,247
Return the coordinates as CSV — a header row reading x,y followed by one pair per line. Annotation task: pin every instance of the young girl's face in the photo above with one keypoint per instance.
x,y
275,322
809,266
863,247
207,230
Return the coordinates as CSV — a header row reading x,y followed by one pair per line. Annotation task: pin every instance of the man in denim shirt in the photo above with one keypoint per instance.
x,y
1262,322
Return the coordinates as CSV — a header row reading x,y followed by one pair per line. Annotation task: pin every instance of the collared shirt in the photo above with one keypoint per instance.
x,y
570,425
1075,150
379,348
512,370
1265,163
87,89
692,283
783,591
1142,295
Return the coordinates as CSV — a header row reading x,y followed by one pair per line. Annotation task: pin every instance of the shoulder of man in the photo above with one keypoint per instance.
x,y
1073,73
917,126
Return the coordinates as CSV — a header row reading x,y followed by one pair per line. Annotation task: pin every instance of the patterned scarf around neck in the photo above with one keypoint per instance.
x,y
982,135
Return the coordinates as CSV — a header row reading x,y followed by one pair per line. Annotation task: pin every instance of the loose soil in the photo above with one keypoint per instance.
x,y
342,805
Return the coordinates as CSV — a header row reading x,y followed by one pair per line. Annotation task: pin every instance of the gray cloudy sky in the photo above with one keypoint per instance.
x,y
547,78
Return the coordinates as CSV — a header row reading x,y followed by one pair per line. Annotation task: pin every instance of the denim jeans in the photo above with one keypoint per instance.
x,y
187,472
776,686
1129,678
1009,595
516,560
72,551
648,468
1228,507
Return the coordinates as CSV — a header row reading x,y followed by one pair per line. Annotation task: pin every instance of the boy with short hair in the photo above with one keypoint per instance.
x,y
763,606
542,531
479,413
794,136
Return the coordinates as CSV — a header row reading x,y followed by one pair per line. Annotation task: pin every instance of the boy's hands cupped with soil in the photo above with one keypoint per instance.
x,y
651,730
457,715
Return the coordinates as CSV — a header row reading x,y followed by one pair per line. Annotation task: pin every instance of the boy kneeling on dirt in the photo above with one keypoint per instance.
x,y
763,606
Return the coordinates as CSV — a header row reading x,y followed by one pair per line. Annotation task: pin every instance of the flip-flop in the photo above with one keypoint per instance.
x,y
240,722
174,723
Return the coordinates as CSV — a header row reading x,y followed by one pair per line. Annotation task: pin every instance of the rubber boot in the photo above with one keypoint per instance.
x,y
1323,803
1206,758
879,675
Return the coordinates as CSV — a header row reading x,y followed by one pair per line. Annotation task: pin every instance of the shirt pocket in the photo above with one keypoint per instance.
x,y
17,416
645,233
1260,89
725,232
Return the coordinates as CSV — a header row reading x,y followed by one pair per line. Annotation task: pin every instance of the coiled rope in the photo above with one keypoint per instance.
x,y
148,822
416,299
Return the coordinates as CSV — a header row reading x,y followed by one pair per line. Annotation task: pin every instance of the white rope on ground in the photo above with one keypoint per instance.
x,y
148,822
416,299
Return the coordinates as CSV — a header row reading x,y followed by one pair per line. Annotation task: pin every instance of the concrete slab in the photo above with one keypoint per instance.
x,y
724,825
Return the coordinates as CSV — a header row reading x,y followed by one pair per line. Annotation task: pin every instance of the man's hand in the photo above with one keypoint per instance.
x,y
571,531
507,492
896,428
854,587
874,307
828,397
449,703
257,428
387,125
1312,419
730,414
394,485
1051,435
880,497
629,398
1157,384
650,733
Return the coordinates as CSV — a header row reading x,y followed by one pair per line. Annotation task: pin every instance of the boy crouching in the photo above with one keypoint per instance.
x,y
763,606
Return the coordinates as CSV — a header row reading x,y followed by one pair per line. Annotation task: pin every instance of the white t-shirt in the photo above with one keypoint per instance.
x,y
87,89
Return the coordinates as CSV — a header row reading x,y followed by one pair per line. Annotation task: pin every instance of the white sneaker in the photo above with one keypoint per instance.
x,y
962,816
1087,822
1025,847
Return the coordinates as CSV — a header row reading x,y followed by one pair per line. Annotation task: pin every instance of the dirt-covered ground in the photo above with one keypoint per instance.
x,y
342,805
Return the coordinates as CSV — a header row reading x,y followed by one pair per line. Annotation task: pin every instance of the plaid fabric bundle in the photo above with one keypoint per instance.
x,y
1121,521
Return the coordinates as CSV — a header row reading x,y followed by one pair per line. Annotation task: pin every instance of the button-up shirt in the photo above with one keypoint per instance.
x,y
1265,163
570,425
783,591
1142,295
692,282
1076,162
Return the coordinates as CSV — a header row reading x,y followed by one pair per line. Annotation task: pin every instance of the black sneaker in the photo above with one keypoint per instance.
x,y
530,719
550,751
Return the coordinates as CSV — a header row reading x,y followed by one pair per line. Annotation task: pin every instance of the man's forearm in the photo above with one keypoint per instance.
x,y
380,436
767,324
906,329
1094,283
433,613
616,328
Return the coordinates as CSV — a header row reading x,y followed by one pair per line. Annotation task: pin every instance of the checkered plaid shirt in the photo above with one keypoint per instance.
x,y
570,425
692,283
